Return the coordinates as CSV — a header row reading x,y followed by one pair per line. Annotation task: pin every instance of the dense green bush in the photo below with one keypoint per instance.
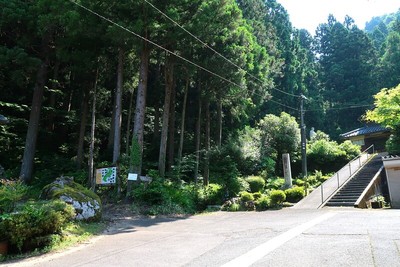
x,y
277,197
246,196
234,207
329,156
32,225
263,203
153,193
275,183
256,183
257,195
294,194
212,194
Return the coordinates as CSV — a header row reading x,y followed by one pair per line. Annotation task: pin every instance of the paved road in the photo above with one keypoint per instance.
x,y
289,237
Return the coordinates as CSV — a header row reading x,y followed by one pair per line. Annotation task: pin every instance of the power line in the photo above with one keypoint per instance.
x,y
340,108
175,54
212,49
157,45
289,107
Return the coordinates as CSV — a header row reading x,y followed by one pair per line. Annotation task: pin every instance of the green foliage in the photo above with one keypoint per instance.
x,y
223,170
277,197
256,183
279,135
31,226
257,195
135,153
246,196
154,193
263,203
212,194
162,195
294,194
329,156
387,113
275,183
11,192
234,207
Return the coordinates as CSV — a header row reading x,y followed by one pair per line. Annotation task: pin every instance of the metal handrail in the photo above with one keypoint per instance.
x,y
347,166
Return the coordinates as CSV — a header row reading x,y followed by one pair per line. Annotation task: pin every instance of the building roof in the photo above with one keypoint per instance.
x,y
369,129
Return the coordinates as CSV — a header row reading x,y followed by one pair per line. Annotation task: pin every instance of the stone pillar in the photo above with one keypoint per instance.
x,y
392,168
287,173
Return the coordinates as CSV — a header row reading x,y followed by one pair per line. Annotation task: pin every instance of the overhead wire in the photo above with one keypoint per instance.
x,y
340,108
166,50
212,49
155,44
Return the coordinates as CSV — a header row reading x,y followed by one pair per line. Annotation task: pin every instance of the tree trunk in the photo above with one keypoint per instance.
x,y
169,71
171,130
156,134
111,132
53,97
138,128
92,177
219,137
85,107
34,118
128,123
206,173
182,133
118,108
198,136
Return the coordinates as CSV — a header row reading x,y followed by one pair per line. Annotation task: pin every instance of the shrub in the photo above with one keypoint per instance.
x,y
246,196
211,194
256,183
263,203
153,193
223,170
294,194
234,207
298,182
32,226
277,197
257,195
275,183
10,193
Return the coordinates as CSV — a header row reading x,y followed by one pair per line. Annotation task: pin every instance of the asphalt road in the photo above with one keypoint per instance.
x,y
288,237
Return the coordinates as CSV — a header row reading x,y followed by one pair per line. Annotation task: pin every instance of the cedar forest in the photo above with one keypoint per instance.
x,y
197,90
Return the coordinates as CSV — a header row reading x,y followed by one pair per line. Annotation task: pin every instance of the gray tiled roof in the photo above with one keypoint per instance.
x,y
365,130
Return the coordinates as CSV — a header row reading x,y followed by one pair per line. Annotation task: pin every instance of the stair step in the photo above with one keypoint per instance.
x,y
350,192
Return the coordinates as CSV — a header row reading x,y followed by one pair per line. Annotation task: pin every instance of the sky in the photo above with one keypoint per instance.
x,y
308,14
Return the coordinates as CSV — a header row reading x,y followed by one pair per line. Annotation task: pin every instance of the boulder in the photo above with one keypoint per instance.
x,y
86,203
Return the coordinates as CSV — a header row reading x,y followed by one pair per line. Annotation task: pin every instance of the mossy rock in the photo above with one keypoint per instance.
x,y
86,203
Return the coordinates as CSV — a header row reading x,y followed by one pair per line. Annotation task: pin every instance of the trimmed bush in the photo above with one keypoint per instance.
x,y
277,197
234,207
294,194
257,195
263,203
256,183
246,196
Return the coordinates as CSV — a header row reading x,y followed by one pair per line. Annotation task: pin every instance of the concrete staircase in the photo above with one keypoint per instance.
x,y
353,189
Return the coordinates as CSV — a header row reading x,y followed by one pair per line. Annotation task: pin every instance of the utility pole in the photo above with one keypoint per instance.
x,y
303,142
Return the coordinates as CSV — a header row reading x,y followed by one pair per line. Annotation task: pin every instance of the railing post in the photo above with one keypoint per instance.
x,y
350,168
338,182
322,193
359,161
